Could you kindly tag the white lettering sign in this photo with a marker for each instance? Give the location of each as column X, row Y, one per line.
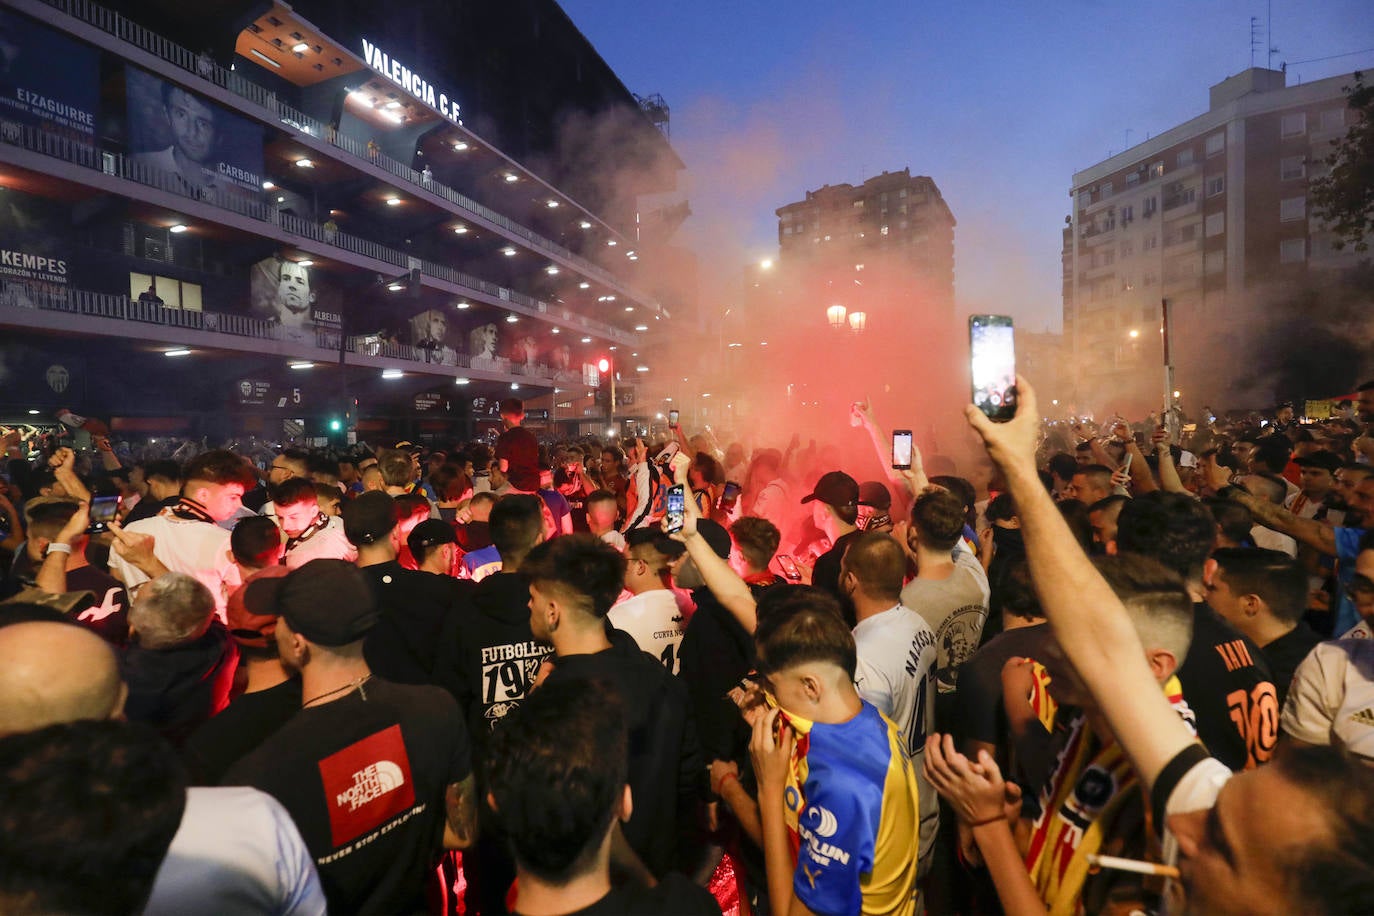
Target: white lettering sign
column 411, row 81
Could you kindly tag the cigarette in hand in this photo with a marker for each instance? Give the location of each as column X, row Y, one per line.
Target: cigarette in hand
column 1132, row 865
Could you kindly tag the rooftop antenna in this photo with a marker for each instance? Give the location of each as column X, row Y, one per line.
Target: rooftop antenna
column 1254, row 38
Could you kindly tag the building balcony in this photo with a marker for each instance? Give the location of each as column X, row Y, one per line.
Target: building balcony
column 1179, row 206
column 100, row 168
column 42, row 307
column 324, row 137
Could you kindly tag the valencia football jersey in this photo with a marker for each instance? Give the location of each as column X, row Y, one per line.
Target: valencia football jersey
column 852, row 816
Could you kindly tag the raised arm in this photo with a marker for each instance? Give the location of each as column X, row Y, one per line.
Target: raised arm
column 881, row 444
column 730, row 590
column 52, row 574
column 1307, row 531
column 1088, row 620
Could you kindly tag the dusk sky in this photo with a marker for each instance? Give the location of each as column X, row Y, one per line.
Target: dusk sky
column 998, row 103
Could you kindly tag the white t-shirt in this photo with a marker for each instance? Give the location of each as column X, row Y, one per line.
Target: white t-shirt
column 329, row 543
column 1331, row 700
column 1273, row 540
column 199, row 549
column 615, row 539
column 956, row 608
column 655, row 621
column 896, row 673
column 237, row 851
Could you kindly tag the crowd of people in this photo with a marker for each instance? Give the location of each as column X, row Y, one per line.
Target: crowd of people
column 1108, row 668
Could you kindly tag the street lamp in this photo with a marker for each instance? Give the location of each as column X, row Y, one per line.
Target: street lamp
column 836, row 315
column 605, row 366
column 857, row 321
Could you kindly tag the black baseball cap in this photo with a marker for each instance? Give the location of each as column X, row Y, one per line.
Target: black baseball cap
column 875, row 494
column 1326, row 461
column 716, row 536
column 836, row 489
column 327, row 601
column 429, row 533
column 369, row 518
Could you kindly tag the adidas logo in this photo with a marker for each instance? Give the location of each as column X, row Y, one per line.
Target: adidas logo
column 1364, row 716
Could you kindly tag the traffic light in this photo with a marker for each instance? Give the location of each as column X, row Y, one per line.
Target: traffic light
column 335, row 425
column 603, row 365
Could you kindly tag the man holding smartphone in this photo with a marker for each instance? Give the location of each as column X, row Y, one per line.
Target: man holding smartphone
column 835, row 511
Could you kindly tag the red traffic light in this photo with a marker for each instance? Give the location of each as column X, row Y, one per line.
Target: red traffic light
column 603, row 364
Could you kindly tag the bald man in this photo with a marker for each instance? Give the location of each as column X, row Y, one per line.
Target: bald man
column 56, row 672
column 53, row 673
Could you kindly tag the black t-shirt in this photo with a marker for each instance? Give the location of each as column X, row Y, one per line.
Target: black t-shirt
column 715, row 654
column 1227, row 684
column 1286, row 653
column 364, row 778
column 109, row 619
column 979, row 712
column 520, row 449
column 666, row 770
column 826, row 573
column 250, row 719
column 674, row 896
column 403, row 647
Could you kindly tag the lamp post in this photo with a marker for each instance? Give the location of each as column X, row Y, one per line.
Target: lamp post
column 836, row 316
column 606, row 365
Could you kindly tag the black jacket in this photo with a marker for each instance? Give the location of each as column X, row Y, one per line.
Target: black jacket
column 175, row 690
column 716, row 653
column 414, row 607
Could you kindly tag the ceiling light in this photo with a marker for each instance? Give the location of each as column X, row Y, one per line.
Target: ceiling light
column 512, row 319
column 584, row 285
column 634, row 257
column 610, row 298
column 461, row 381
column 557, row 330
column 514, row 386
column 304, row 164
column 178, row 228
column 393, row 201
column 461, row 230
column 463, row 304
column 392, row 373
column 585, row 225
column 302, row 364
column 553, row 205
column 508, row 252
column 395, row 287
column 281, row 200
column 394, row 117
column 551, row 270
column 706, row 394
column 735, row 346
column 267, row 186
column 460, row 146
column 306, row 263
column 512, row 177
column 393, row 104
column 641, row 327
column 180, row 351
column 612, row 243
column 33, row 413
column 629, row 308
column 300, row 47
column 641, row 368
column 264, row 58
column 586, row 340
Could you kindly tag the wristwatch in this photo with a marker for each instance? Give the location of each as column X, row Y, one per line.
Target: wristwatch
column 55, row 547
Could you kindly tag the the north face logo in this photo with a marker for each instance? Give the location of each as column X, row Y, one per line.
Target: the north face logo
column 370, row 783
column 367, row 784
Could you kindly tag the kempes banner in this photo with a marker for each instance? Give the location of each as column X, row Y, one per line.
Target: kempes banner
column 180, row 133
column 46, row 78
column 33, row 251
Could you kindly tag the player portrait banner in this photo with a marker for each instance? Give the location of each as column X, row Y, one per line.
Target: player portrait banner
column 47, row 79
column 191, row 138
column 295, row 296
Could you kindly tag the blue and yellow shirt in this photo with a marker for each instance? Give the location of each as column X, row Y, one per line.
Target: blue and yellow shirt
column 852, row 816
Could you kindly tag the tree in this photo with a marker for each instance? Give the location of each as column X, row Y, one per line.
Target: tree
column 1344, row 197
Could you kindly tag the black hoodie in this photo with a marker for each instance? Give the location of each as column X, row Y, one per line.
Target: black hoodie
column 176, row 689
column 488, row 659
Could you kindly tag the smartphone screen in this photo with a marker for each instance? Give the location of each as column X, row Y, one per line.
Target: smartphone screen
column 789, row 567
column 103, row 510
column 677, row 507
column 672, row 417
column 730, row 495
column 901, row 449
column 992, row 365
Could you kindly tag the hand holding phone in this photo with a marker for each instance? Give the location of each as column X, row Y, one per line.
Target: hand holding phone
column 901, row 449
column 729, row 496
column 992, row 365
column 672, row 418
column 675, row 515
